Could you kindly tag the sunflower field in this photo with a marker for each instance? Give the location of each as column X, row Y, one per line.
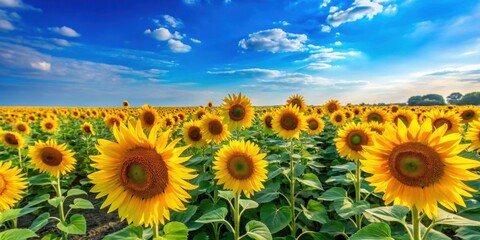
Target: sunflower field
column 236, row 171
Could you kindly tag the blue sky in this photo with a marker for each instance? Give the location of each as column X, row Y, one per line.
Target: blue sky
column 189, row 52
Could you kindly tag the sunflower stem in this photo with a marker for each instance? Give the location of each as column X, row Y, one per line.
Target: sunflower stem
column 415, row 223
column 155, row 230
column 293, row 226
column 60, row 206
column 237, row 216
column 20, row 161
column 358, row 186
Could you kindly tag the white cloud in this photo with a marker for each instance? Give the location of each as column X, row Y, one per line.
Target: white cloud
column 173, row 22
column 422, row 29
column 333, row 9
column 61, row 42
column 228, row 1
column 391, row 9
column 65, row 31
column 7, row 19
column 326, row 28
column 274, row 40
column 161, row 34
column 6, row 25
column 471, row 69
column 319, row 66
column 358, row 10
column 338, row 43
column 191, row 2
column 325, row 3
column 42, row 66
column 195, row 40
column 16, row 4
column 178, row 35
column 283, row 23
column 178, row 46
column 321, row 57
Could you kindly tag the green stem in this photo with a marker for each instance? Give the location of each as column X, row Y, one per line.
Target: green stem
column 20, row 161
column 236, row 215
column 60, row 206
column 425, row 235
column 155, row 230
column 415, row 223
column 358, row 186
column 293, row 226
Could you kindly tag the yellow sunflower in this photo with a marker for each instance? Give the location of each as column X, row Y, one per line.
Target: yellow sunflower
column 22, row 127
column 52, row 158
column 288, row 122
column 213, row 129
column 125, row 104
column 199, row 114
column 375, row 115
column 193, row 135
column 450, row 118
column 267, row 120
column 473, row 134
column 351, row 140
column 240, row 167
column 142, row 176
column 469, row 114
column 237, row 111
column 112, row 120
column 87, row 128
column 315, row 124
column 12, row 139
column 148, row 116
column 298, row 101
column 331, row 106
column 338, row 118
column 12, row 185
column 49, row 125
column 405, row 116
column 210, row 104
column 394, row 108
column 419, row 166
column 376, row 127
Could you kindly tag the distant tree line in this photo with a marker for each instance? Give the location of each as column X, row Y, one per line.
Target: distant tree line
column 455, row 98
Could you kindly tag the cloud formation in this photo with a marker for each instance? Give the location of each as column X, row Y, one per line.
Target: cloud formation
column 65, row 31
column 178, row 47
column 274, row 40
column 359, row 9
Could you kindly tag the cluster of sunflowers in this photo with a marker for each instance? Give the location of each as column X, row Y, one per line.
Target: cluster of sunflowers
column 412, row 154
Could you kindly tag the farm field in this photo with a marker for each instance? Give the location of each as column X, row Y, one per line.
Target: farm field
column 238, row 171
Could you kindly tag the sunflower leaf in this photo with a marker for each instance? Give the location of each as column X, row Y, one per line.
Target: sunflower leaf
column 17, row 234
column 258, row 230
column 275, row 218
column 80, row 203
column 373, row 231
column 77, row 225
column 56, row 201
column 447, row 218
column 346, row 208
column 332, row 194
column 333, row 228
column 217, row 215
column 468, row 233
column 315, row 211
column 175, row 231
column 75, row 192
column 311, row 180
column 40, row 222
column 390, row 214
column 227, row 195
column 130, row 232
column 248, row 204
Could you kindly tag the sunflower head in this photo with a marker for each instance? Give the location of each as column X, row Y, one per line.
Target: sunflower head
column 315, row 124
column 125, row 104
column 352, row 138
column 338, row 118
column 403, row 115
column 22, row 127
column 375, row 115
column 199, row 114
column 376, row 127
column 112, row 120
column 52, row 158
column 87, row 128
column 213, row 128
column 331, row 106
column 450, row 119
column 288, row 122
column 148, row 116
column 267, row 120
column 469, row 114
column 237, row 111
column 297, row 101
column 473, row 135
column 241, row 167
column 192, row 134
column 12, row 185
column 49, row 125
column 12, row 139
column 210, row 104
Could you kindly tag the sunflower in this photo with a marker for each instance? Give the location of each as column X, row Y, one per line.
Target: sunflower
column 298, row 101
column 394, row 108
column 11, row 139
column 87, row 128
column 192, row 134
column 112, row 120
column 473, row 134
column 351, row 140
column 267, row 120
column 469, row 114
column 338, row 118
column 315, row 125
column 376, row 127
column 148, row 116
column 125, row 104
column 213, row 129
column 331, row 106
column 419, row 166
column 450, row 118
column 403, row 115
column 22, row 127
column 240, row 167
column 210, row 104
column 52, row 158
column 237, row 111
column 199, row 114
column 349, row 115
column 375, row 115
column 49, row 125
column 142, row 176
column 288, row 122
column 12, row 185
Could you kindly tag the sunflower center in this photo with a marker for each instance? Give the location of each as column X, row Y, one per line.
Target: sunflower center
column 312, row 124
column 236, row 112
column 439, row 122
column 375, row 117
column 332, row 108
column 48, row 125
column 296, row 102
column 215, row 127
column 144, row 173
column 415, row 164
column 194, row 133
column 149, row 118
column 240, row 166
column 468, row 115
column 289, row 121
column 338, row 118
column 21, row 128
column 268, row 121
column 11, row 139
column 87, row 129
column 394, row 109
column 355, row 140
column 51, row 156
column 401, row 118
column 200, row 115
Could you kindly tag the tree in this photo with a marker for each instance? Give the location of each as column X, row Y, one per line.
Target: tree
column 414, row 100
column 453, row 98
column 472, row 98
column 426, row 100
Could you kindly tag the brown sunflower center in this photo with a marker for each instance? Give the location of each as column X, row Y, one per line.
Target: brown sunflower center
column 439, row 122
column 240, row 166
column 468, row 115
column 21, row 128
column 348, row 115
column 312, row 124
column 200, row 115
column 51, row 156
column 144, row 173
column 415, row 164
column 125, row 104
column 332, row 108
column 296, row 102
column 394, row 109
column 194, row 133
column 375, row 117
column 268, row 121
column 236, row 112
column 355, row 140
column 215, row 127
column 48, row 125
column 149, row 118
column 11, row 139
column 401, row 118
column 289, row 121
column 168, row 122
column 87, row 129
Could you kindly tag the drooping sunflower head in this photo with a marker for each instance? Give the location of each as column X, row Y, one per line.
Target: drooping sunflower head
column 237, row 111
column 352, row 137
column 241, row 167
column 297, row 101
column 469, row 114
column 142, row 176
column 267, row 120
column 288, row 122
column 441, row 117
column 375, row 115
column 125, row 104
column 52, row 158
column 12, row 139
column 112, row 120
column 12, row 185
column 22, row 127
column 331, row 106
column 148, row 116
column 403, row 115
column 338, row 118
column 192, row 134
column 49, row 125
column 315, row 124
column 419, row 166
column 87, row 128
column 473, row 135
column 213, row 128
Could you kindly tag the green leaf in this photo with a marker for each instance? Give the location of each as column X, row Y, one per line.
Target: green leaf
column 40, row 179
column 75, row 192
column 333, row 228
column 56, row 201
column 347, row 208
column 468, row 233
column 315, row 211
column 390, row 214
column 227, row 195
column 40, row 222
column 350, row 166
column 320, row 236
column 201, row 236
column 298, row 169
column 217, row 215
column 332, row 194
column 38, row 200
column 184, row 216
column 10, row 214
column 77, row 225
column 131, row 232
column 248, row 204
column 17, row 234
column 80, row 203
column 275, row 218
column 447, row 218
column 268, row 194
column 273, row 174
column 51, row 237
column 311, row 180
column 373, row 231
column 175, row 231
column 258, row 230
